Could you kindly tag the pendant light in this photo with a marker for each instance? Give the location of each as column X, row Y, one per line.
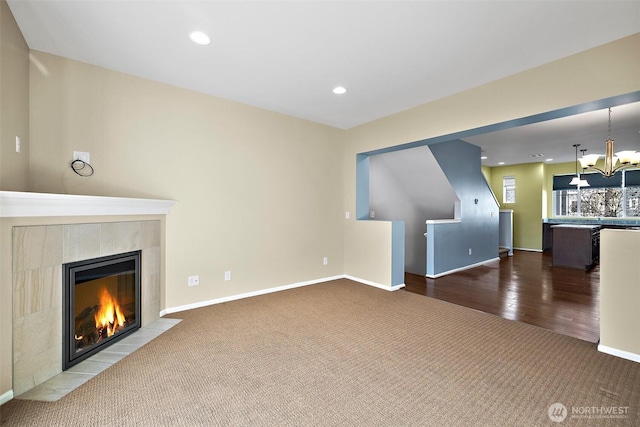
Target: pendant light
column 576, row 179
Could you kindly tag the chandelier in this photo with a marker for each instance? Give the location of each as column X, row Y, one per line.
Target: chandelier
column 626, row 158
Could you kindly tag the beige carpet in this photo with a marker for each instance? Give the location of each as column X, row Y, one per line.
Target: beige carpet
column 342, row 353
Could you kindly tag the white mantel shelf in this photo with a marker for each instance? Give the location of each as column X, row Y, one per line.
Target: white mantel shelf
column 24, row 204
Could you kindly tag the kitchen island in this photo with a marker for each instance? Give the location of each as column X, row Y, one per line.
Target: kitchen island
column 575, row 245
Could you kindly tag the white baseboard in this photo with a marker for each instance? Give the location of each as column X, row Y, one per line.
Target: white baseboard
column 270, row 290
column 466, row 267
column 619, row 353
column 374, row 284
column 528, row 249
column 5, row 397
column 245, row 295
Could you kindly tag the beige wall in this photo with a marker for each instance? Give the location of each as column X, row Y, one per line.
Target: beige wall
column 256, row 190
column 366, row 241
column 620, row 293
column 14, row 104
column 14, row 167
column 567, row 82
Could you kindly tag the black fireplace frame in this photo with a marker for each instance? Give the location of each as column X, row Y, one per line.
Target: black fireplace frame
column 69, row 271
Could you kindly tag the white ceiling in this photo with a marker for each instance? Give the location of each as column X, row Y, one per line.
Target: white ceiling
column 287, row 56
column 554, row 139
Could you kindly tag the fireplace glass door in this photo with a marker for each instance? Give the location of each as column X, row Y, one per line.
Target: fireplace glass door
column 101, row 304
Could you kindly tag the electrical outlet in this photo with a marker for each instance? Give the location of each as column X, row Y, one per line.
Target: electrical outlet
column 325, row 261
column 194, row 280
column 227, row 275
column 469, row 251
column 372, row 214
column 17, row 144
column 347, row 215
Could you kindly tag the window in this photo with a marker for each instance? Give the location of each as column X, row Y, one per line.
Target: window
column 565, row 202
column 618, row 196
column 601, row 202
column 632, row 192
column 633, row 201
column 509, row 189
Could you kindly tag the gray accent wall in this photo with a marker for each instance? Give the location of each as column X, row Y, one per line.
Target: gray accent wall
column 409, row 185
column 475, row 239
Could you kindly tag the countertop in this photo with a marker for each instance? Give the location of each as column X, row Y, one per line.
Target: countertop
column 591, row 227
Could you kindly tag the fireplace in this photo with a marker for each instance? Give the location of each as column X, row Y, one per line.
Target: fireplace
column 39, row 253
column 101, row 304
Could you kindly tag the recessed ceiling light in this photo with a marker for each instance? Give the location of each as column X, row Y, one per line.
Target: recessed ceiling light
column 198, row 37
column 549, row 160
column 483, row 158
column 339, row 90
column 501, row 163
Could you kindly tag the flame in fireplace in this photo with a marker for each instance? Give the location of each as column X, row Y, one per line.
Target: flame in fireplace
column 109, row 317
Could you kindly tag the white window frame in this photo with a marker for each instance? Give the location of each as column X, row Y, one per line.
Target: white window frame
column 508, row 187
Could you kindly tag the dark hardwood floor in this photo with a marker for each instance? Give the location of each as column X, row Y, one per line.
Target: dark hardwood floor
column 526, row 288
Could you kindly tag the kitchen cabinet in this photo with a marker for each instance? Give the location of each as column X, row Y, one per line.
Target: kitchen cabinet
column 575, row 246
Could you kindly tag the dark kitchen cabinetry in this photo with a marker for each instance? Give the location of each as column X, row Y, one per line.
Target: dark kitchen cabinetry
column 547, row 237
column 575, row 246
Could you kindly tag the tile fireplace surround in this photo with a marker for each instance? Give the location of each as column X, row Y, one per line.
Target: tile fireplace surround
column 70, row 229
